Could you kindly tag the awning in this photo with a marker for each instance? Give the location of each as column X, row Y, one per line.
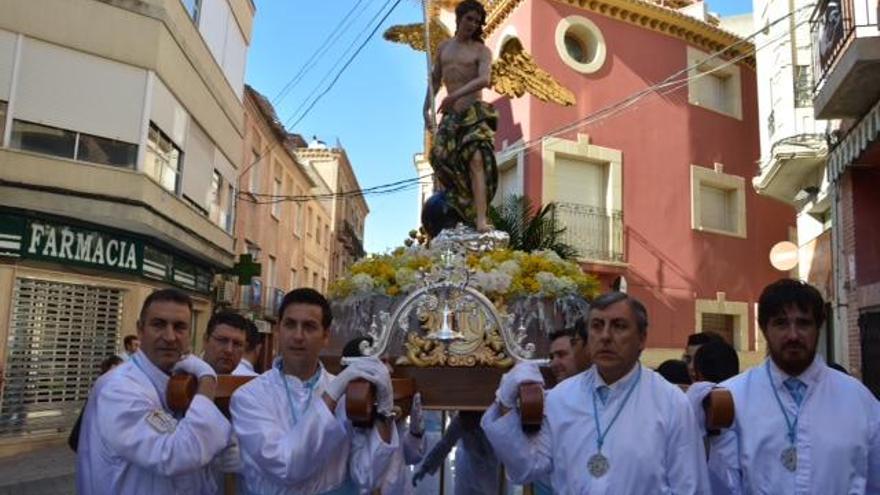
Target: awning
column 856, row 142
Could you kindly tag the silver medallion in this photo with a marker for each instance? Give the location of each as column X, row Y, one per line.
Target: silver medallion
column 598, row 465
column 789, row 458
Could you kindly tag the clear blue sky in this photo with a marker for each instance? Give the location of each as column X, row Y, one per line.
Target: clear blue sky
column 375, row 107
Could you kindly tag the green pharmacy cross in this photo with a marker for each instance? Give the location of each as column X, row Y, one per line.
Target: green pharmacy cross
column 246, row 269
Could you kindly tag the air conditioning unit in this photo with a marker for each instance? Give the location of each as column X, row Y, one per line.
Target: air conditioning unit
column 226, row 292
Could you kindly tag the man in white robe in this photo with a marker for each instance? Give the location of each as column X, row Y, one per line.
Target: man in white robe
column 130, row 442
column 291, row 425
column 252, row 352
column 800, row 427
column 617, row 428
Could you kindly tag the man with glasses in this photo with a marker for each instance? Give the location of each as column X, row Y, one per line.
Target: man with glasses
column 225, row 340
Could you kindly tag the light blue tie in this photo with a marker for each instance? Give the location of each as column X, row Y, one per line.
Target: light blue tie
column 797, row 389
column 603, row 392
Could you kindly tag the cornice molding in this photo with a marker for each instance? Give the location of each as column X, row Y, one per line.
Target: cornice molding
column 646, row 15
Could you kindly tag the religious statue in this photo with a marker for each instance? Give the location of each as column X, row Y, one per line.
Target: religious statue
column 462, row 153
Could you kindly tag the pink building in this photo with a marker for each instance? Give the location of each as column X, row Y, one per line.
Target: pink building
column 658, row 193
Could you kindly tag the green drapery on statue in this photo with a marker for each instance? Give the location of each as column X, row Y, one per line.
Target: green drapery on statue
column 458, row 137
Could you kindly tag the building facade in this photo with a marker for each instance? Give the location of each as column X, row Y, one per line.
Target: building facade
column 348, row 210
column 117, row 165
column 653, row 191
column 794, row 146
column 280, row 223
column 846, row 86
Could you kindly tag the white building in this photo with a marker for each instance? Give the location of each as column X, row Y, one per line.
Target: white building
column 121, row 128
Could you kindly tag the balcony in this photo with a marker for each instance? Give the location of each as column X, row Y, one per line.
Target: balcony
column 595, row 232
column 795, row 162
column 846, row 57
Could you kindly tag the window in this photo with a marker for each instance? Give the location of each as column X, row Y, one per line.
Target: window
column 575, row 48
column 162, row 160
column 718, row 202
column 270, row 273
column 254, row 251
column 230, row 208
column 327, row 236
column 714, row 85
column 730, row 319
column 70, row 144
column 106, row 151
column 193, row 7
column 309, row 221
column 803, row 89
column 315, row 281
column 276, row 204
column 292, row 278
column 43, row 139
column 300, row 212
column 718, row 207
column 580, row 44
column 254, row 173
column 3, row 110
column 318, row 231
column 720, row 323
column 216, row 184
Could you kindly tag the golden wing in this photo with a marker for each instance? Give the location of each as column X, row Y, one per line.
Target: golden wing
column 414, row 35
column 515, row 73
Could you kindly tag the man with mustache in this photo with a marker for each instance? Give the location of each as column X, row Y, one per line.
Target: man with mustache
column 800, row 426
column 130, row 442
column 617, row 428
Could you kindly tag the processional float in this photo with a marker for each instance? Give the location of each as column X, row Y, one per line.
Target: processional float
column 453, row 314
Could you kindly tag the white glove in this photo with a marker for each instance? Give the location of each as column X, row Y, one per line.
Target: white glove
column 508, row 391
column 377, row 374
column 361, row 367
column 416, row 421
column 194, row 366
column 229, row 459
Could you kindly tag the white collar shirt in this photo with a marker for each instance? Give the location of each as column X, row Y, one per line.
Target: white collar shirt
column 837, row 435
column 244, row 368
column 309, row 450
column 653, row 448
column 131, row 444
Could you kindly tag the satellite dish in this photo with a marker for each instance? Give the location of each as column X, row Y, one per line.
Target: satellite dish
column 784, row 256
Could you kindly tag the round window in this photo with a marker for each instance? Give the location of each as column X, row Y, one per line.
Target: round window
column 575, row 48
column 580, row 44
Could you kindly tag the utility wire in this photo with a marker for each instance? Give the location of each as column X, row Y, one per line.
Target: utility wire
column 667, row 86
column 331, row 39
column 344, row 67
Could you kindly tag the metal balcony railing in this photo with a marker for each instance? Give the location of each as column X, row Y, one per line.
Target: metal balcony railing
column 832, row 26
column 595, row 232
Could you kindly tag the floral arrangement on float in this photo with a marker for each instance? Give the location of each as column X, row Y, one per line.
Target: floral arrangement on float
column 501, row 274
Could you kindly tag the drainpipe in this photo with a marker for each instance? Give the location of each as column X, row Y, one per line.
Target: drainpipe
column 841, row 327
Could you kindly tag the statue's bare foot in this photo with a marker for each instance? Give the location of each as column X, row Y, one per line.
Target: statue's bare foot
column 485, row 227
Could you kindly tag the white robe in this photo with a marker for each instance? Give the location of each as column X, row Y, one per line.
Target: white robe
column 319, row 453
column 130, row 444
column 653, row 448
column 398, row 478
column 838, row 435
column 244, row 368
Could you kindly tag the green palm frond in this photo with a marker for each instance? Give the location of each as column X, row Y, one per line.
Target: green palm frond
column 531, row 228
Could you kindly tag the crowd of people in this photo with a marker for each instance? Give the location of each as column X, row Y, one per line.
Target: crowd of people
column 610, row 424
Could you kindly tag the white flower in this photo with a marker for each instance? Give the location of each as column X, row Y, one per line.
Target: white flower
column 362, row 283
column 495, row 281
column 406, row 279
column 509, row 267
column 551, row 285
